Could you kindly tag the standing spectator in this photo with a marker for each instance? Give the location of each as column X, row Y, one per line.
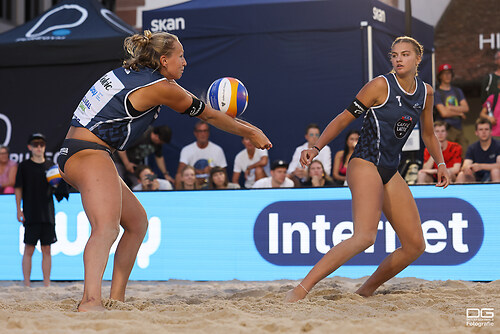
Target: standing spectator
column 37, row 212
column 489, row 85
column 250, row 161
column 482, row 160
column 201, row 154
column 295, row 171
column 316, row 176
column 218, row 180
column 491, row 111
column 278, row 178
column 452, row 154
column 150, row 142
column 188, row 179
column 149, row 181
column 342, row 157
column 8, row 170
column 451, row 105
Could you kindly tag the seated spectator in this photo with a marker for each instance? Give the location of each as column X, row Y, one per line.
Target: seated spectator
column 278, row 178
column 342, row 157
column 295, row 171
column 482, row 160
column 8, row 170
column 317, row 176
column 188, row 179
column 251, row 162
column 491, row 111
column 451, row 105
column 202, row 154
column 452, row 154
column 148, row 180
column 150, row 142
column 218, row 180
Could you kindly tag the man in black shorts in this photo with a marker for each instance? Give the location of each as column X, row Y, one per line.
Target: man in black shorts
column 37, row 213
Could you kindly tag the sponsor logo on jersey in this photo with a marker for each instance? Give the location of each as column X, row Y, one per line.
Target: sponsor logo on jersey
column 402, row 126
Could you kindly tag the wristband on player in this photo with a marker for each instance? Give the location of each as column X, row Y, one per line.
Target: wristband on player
column 316, row 147
column 441, row 163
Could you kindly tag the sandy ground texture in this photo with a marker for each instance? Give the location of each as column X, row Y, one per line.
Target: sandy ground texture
column 402, row 305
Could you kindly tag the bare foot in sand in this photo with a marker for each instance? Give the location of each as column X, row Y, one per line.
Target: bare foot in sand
column 363, row 292
column 295, row 294
column 91, row 306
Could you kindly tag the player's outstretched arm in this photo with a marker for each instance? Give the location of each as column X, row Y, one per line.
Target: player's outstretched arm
column 237, row 127
column 373, row 93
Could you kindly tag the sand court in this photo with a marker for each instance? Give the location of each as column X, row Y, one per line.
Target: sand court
column 402, row 305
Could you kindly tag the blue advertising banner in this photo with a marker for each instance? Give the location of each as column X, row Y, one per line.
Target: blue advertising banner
column 272, row 234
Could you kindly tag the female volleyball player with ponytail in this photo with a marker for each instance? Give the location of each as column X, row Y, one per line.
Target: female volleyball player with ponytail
column 115, row 111
column 393, row 103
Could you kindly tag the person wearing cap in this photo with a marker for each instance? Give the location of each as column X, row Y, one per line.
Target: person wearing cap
column 451, row 105
column 278, row 178
column 37, row 210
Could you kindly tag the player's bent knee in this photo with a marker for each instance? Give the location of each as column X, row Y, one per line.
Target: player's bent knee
column 364, row 240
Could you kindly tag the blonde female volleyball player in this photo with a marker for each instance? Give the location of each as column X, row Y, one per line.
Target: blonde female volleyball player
column 393, row 104
column 115, row 111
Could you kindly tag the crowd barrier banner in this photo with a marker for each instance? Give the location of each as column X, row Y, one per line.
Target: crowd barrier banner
column 271, row 234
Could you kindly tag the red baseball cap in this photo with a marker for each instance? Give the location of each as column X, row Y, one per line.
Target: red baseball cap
column 444, row 67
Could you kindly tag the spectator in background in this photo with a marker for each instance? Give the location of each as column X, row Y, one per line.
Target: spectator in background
column 451, row 105
column 317, row 177
column 150, row 142
column 201, row 154
column 188, row 179
column 342, row 157
column 148, row 180
column 250, row 161
column 278, row 178
column 452, row 154
column 218, row 180
column 482, row 160
column 491, row 111
column 295, row 171
column 489, row 85
column 8, row 170
column 37, row 211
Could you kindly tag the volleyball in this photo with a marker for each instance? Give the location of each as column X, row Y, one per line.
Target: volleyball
column 53, row 176
column 228, row 95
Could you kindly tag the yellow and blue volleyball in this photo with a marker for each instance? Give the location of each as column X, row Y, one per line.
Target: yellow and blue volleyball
column 53, row 176
column 228, row 95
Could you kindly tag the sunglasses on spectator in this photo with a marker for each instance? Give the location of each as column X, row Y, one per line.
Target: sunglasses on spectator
column 38, row 144
column 314, row 135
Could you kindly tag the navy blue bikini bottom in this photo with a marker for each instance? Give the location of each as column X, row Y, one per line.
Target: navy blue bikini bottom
column 72, row 146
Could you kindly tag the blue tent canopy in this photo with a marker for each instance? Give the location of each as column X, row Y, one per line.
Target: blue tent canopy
column 48, row 64
column 72, row 32
column 302, row 61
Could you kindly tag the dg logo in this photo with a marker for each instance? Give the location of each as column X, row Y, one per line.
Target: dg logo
column 402, row 126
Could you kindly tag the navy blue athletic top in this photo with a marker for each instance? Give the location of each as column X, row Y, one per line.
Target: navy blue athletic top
column 105, row 112
column 386, row 127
